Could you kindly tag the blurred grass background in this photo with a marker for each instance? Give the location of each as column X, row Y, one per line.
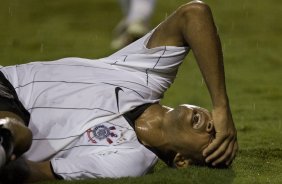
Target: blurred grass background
column 33, row 30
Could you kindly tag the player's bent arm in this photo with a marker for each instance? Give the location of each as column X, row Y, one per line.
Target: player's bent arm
column 192, row 25
column 201, row 35
column 199, row 31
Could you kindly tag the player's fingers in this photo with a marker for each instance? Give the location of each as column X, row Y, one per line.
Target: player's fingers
column 218, row 152
column 214, row 145
column 225, row 156
column 235, row 149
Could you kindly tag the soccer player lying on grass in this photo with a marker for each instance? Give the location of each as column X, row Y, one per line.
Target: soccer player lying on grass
column 78, row 118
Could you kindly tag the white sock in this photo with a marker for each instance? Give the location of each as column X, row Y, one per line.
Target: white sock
column 140, row 11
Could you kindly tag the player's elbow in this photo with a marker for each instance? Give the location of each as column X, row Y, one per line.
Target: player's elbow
column 193, row 10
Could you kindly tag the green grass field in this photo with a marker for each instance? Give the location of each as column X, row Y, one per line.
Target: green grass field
column 33, row 30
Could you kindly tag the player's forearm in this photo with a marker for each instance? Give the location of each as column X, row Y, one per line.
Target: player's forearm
column 212, row 69
column 210, row 62
column 22, row 136
column 201, row 35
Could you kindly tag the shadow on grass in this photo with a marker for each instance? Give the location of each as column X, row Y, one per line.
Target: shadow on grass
column 192, row 175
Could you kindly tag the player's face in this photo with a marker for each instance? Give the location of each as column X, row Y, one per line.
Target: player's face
column 190, row 130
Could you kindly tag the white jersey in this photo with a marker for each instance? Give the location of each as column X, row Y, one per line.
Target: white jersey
column 72, row 98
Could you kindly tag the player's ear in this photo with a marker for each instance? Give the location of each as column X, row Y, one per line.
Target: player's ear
column 181, row 161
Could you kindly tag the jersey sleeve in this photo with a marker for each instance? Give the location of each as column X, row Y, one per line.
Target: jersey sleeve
column 111, row 164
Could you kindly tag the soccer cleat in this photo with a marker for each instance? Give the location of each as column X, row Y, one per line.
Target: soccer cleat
column 121, row 41
column 126, row 34
column 137, row 29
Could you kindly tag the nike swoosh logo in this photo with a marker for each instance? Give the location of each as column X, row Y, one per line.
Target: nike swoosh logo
column 117, row 89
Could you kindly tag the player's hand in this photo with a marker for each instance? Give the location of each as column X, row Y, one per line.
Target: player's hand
column 223, row 148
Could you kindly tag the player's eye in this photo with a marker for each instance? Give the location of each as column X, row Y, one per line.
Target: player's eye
column 196, row 119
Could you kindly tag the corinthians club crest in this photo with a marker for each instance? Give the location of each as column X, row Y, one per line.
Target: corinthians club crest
column 100, row 133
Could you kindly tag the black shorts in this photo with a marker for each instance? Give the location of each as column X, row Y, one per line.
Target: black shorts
column 9, row 100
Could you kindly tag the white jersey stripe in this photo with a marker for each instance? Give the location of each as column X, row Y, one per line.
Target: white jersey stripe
column 70, row 108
